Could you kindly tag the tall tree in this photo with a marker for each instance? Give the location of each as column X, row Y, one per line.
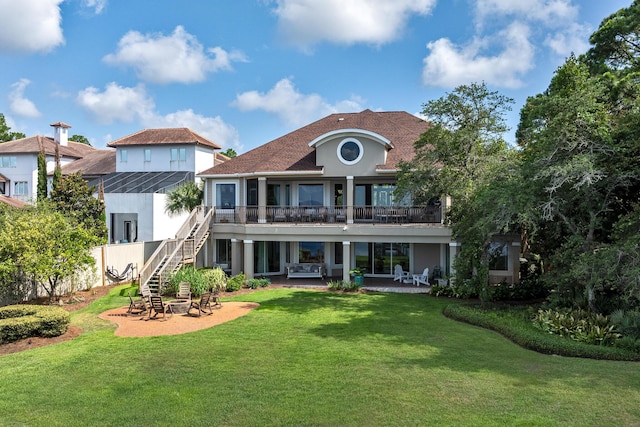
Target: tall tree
column 184, row 198
column 72, row 197
column 574, row 161
column 459, row 156
column 230, row 152
column 43, row 245
column 42, row 176
column 5, row 131
column 79, row 138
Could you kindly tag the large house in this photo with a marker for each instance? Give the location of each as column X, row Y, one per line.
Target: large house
column 148, row 164
column 324, row 195
column 19, row 160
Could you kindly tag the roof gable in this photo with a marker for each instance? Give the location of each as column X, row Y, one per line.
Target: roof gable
column 37, row 143
column 164, row 136
column 295, row 152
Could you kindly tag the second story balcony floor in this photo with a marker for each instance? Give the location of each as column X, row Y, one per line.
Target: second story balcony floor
column 329, row 215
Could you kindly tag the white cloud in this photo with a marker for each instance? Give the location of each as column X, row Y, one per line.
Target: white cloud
column 167, row 59
column 305, row 22
column 292, row 107
column 573, row 39
column 30, row 25
column 449, row 65
column 549, row 12
column 97, row 5
column 20, row 105
column 127, row 104
column 116, row 103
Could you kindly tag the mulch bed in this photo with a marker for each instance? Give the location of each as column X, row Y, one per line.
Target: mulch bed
column 75, row 302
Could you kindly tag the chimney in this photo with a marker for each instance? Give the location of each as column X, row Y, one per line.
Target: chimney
column 61, row 133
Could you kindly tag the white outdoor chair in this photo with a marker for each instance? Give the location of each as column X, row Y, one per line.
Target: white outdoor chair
column 400, row 275
column 421, row 278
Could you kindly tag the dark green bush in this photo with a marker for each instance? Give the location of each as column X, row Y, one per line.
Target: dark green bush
column 515, row 324
column 258, row 283
column 23, row 321
column 235, row 283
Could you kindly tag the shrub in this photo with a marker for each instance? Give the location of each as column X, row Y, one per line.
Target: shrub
column 258, row 283
column 579, row 325
column 343, row 285
column 627, row 323
column 516, row 325
column 23, row 321
column 216, row 278
column 235, row 283
column 196, row 278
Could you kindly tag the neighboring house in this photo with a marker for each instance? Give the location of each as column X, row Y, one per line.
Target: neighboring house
column 19, row 160
column 323, row 194
column 148, row 164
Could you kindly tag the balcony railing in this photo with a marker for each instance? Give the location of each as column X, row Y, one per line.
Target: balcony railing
column 329, row 214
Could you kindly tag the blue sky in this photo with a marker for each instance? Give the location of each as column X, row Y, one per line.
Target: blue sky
column 243, row 72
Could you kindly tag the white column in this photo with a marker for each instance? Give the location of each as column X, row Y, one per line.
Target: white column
column 248, row 259
column 346, row 261
column 349, row 196
column 262, row 200
column 236, row 257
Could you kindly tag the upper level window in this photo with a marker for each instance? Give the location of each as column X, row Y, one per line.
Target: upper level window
column 350, row 151
column 310, row 195
column 8, row 161
column 123, row 156
column 225, row 196
column 179, row 154
column 147, row 154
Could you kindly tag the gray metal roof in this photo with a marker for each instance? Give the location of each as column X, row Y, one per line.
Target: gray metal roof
column 143, row 182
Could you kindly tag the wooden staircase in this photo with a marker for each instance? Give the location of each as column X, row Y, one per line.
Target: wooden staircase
column 173, row 254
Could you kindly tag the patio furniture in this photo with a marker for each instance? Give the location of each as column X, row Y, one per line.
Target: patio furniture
column 401, row 276
column 136, row 306
column 159, row 307
column 215, row 297
column 114, row 276
column 204, row 303
column 421, row 278
column 306, row 271
column 184, row 291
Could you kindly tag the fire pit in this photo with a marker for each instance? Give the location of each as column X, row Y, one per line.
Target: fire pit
column 179, row 306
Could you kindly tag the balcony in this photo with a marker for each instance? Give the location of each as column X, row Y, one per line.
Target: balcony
column 329, row 215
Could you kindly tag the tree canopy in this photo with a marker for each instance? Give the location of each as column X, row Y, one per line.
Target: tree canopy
column 184, row 198
column 72, row 197
column 5, row 131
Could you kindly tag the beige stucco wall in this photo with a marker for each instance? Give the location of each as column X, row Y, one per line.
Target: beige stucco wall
column 327, row 156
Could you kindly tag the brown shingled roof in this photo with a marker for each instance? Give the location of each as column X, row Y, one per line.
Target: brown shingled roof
column 291, row 152
column 98, row 162
column 34, row 144
column 163, row 136
column 12, row 202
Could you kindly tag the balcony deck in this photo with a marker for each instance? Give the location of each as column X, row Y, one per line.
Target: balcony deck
column 329, row 215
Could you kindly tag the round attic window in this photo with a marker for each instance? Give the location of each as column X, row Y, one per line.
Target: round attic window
column 350, row 151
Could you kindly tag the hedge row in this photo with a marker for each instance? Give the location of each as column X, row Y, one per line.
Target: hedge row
column 24, row 321
column 528, row 336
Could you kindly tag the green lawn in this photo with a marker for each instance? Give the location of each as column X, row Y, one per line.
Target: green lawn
column 314, row 359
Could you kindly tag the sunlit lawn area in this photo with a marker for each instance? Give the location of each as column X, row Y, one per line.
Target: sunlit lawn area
column 313, row 358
